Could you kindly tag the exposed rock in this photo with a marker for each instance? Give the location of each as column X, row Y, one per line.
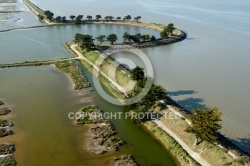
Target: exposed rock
column 1, row 103
column 7, row 161
column 5, row 132
column 5, row 123
column 4, row 111
column 126, row 160
column 102, row 139
column 6, row 149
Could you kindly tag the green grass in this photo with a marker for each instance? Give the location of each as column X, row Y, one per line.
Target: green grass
column 104, row 81
column 85, row 119
column 89, row 109
column 121, row 77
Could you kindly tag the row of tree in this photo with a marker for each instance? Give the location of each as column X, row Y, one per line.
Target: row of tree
column 79, row 19
column 112, row 38
column 137, row 37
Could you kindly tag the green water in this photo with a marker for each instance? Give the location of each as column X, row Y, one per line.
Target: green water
column 41, row 99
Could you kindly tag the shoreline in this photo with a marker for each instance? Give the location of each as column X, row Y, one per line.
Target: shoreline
column 7, row 148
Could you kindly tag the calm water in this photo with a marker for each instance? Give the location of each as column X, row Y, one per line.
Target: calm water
column 42, row 101
column 210, row 68
column 12, row 20
column 43, row 133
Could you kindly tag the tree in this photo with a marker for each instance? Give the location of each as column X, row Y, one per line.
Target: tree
column 145, row 37
column 101, row 38
column 81, row 38
column 205, row 124
column 153, row 38
column 49, row 14
column 89, row 17
column 64, row 19
column 79, row 19
column 118, row 18
column 167, row 31
column 106, row 18
column 72, row 17
column 137, row 73
column 88, row 46
column 125, row 36
column 112, row 38
column 128, row 17
column 137, row 38
column 58, row 19
column 111, row 18
column 98, row 17
column 137, row 18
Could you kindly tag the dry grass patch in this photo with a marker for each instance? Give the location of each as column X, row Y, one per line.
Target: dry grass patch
column 211, row 153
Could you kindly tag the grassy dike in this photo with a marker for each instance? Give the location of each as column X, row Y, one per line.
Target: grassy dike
column 168, row 142
column 90, row 68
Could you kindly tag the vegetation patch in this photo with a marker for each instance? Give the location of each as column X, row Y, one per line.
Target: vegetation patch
column 171, row 144
column 7, row 161
column 74, row 72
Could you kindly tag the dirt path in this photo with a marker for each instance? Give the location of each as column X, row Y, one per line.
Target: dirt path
column 192, row 153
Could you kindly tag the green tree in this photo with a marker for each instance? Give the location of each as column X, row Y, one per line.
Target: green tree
column 111, row 18
column 137, row 73
column 106, row 18
column 88, row 46
column 49, row 14
column 125, row 37
column 89, row 17
column 128, row 17
column 205, row 124
column 78, row 19
column 145, row 37
column 137, row 18
column 118, row 18
column 81, row 38
column 58, row 19
column 167, row 31
column 101, row 38
column 64, row 19
column 153, row 38
column 98, row 17
column 112, row 38
column 72, row 17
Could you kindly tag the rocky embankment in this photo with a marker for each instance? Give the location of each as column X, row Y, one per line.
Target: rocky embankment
column 6, row 149
column 125, row 160
column 101, row 137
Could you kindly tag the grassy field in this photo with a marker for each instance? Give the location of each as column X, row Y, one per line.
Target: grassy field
column 109, row 67
column 104, row 81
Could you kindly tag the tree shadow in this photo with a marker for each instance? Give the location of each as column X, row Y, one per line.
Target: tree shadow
column 242, row 145
column 192, row 103
column 181, row 92
column 190, row 38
